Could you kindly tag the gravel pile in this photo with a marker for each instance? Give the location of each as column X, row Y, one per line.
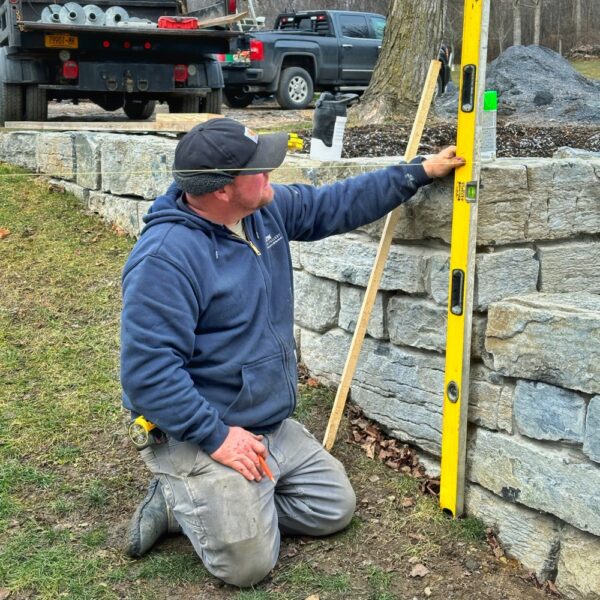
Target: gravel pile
column 536, row 84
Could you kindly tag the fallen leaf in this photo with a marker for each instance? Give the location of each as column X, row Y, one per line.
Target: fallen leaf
column 427, row 591
column 419, row 570
column 413, row 559
column 4, row 232
column 374, row 478
column 4, row 593
column 408, row 502
column 313, row 597
column 311, row 382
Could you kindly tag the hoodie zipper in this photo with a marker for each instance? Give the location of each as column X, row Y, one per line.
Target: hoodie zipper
column 246, row 240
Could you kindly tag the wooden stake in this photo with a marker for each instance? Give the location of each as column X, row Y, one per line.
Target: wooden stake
column 377, row 272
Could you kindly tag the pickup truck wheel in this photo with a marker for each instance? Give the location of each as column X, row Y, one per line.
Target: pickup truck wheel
column 11, row 102
column 36, row 103
column 212, row 103
column 184, row 104
column 295, row 88
column 235, row 98
column 139, row 109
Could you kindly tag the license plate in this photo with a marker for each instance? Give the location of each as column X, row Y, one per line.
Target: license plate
column 61, row 40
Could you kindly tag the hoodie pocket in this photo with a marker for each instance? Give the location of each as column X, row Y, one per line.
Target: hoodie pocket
column 263, row 388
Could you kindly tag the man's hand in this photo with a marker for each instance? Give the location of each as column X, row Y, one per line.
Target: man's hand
column 442, row 163
column 240, row 451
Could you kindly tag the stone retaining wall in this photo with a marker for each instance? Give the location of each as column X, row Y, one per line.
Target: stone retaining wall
column 534, row 440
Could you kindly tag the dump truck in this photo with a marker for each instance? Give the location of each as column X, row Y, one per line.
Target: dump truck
column 128, row 56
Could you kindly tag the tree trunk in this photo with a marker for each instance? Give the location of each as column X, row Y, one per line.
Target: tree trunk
column 577, row 22
column 413, row 35
column 516, row 22
column 537, row 22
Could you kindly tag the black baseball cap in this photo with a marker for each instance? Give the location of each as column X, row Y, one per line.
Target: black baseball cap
column 225, row 148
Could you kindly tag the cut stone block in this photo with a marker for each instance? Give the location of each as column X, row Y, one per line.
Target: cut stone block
column 591, row 442
column 351, row 299
column 553, row 480
column 316, row 302
column 19, row 148
column 56, row 155
column 579, row 565
column 554, row 338
column 87, row 160
column 121, row 211
column 526, row 535
column 570, row 267
column 547, row 412
column 136, row 167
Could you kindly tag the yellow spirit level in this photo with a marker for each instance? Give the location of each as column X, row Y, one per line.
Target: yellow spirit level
column 462, row 256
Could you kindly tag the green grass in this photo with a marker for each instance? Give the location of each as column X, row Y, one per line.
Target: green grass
column 589, row 68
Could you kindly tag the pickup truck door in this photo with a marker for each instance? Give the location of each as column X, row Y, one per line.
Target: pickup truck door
column 360, row 39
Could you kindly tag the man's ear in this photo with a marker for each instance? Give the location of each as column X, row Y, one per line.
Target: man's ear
column 222, row 194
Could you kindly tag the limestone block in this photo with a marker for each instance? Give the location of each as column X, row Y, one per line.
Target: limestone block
column 547, row 412
column 490, row 399
column 351, row 299
column 579, row 565
column 316, row 301
column 504, row 273
column 136, row 165
column 55, row 155
column 119, row 210
column 498, row 275
column 526, row 535
column 554, row 480
column 591, row 442
column 87, row 160
column 72, row 188
column 570, row 267
column 402, row 388
column 503, row 202
column 565, row 197
column 19, row 148
column 349, row 259
column 554, row 338
column 419, row 323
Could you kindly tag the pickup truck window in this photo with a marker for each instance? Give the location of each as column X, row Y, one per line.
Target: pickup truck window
column 378, row 26
column 354, row 26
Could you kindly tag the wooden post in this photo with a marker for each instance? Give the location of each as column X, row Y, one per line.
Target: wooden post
column 377, row 272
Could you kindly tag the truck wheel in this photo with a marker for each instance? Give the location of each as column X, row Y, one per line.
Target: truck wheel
column 295, row 88
column 235, row 98
column 11, row 102
column 184, row 104
column 212, row 103
column 139, row 109
column 36, row 104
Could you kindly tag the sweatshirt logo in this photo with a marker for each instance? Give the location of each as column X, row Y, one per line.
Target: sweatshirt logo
column 271, row 240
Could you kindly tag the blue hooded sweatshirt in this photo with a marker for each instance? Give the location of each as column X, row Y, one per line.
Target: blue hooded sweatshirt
column 207, row 327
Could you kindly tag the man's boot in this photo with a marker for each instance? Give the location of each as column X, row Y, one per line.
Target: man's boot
column 151, row 520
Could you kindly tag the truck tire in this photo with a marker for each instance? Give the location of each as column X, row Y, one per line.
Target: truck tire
column 36, row 103
column 212, row 103
column 295, row 88
column 184, row 104
column 139, row 109
column 11, row 102
column 235, row 98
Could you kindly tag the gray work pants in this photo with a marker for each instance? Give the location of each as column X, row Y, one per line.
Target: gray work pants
column 234, row 524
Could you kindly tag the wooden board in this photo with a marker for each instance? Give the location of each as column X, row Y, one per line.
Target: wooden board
column 181, row 121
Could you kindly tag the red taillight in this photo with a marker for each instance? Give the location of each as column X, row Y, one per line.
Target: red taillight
column 257, row 50
column 232, row 7
column 147, row 45
column 126, row 44
column 70, row 70
column 180, row 73
column 106, row 44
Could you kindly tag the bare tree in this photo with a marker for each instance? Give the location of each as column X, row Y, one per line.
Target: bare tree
column 412, row 38
column 577, row 7
column 537, row 21
column 516, row 22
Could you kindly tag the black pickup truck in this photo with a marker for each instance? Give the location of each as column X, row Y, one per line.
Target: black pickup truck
column 307, row 52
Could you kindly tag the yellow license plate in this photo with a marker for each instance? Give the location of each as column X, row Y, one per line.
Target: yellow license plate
column 61, row 40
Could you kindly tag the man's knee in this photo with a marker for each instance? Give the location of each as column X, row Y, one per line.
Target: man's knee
column 245, row 563
column 341, row 511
